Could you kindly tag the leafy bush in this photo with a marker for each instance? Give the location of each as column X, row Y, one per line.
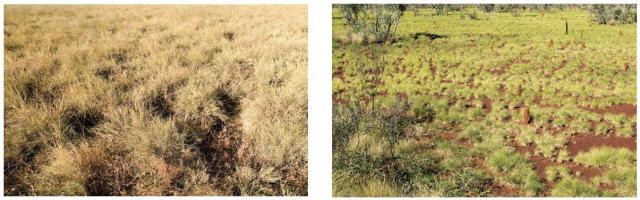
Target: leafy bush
column 380, row 21
column 487, row 7
column 605, row 14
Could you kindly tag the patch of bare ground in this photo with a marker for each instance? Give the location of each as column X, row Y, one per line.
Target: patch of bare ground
column 339, row 73
column 451, row 136
column 499, row 190
column 487, row 105
column 583, row 142
column 541, row 163
column 627, row 109
column 495, row 189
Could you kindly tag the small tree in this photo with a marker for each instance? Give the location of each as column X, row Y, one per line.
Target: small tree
column 441, row 9
column 600, row 14
column 379, row 21
column 487, row 8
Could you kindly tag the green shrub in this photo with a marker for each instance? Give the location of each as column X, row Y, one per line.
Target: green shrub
column 379, row 21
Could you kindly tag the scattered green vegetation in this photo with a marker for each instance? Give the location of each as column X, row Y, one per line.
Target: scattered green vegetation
column 607, row 156
column 457, row 100
column 571, row 187
column 556, row 172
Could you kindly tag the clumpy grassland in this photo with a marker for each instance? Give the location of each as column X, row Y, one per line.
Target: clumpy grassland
column 155, row 100
column 511, row 101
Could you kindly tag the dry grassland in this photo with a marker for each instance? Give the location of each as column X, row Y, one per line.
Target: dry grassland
column 155, row 100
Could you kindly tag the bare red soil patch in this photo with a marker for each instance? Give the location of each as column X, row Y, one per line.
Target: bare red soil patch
column 586, row 172
column 541, row 163
column 503, row 191
column 627, row 109
column 584, row 142
column 451, row 136
column 339, row 73
column 497, row 71
column 524, row 149
column 487, row 105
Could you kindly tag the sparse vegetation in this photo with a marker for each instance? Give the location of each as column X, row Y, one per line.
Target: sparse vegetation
column 155, row 100
column 527, row 100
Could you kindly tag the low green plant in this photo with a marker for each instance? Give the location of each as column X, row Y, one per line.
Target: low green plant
column 626, row 131
column 623, row 180
column 606, row 156
column 526, row 136
column 556, row 172
column 563, row 155
column 504, row 160
column 571, row 187
column 559, row 122
column 525, row 178
column 547, row 143
column 602, row 129
column 473, row 132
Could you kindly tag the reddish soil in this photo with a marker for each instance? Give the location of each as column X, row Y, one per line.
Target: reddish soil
column 584, row 142
column 449, row 136
column 531, row 148
column 503, row 191
column 432, row 67
column 497, row 71
column 487, row 105
column 339, row 73
column 627, row 109
column 454, row 137
column 541, row 163
column 496, row 189
column 339, row 100
column 586, row 172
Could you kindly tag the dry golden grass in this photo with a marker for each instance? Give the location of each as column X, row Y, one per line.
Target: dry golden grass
column 155, row 100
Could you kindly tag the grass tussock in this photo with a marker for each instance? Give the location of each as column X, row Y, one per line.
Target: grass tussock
column 155, row 100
